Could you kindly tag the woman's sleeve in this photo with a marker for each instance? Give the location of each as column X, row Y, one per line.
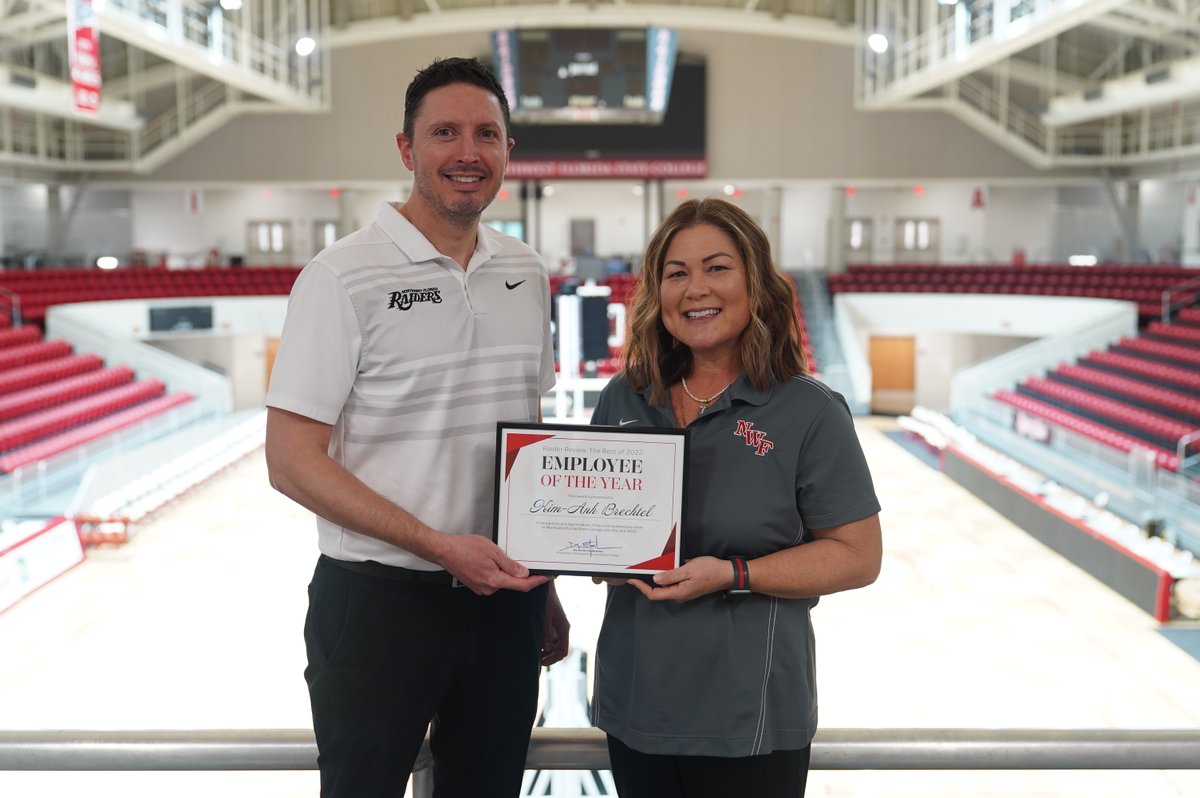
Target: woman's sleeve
column 833, row 481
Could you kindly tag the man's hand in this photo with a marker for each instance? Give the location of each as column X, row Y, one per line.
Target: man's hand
column 556, row 634
column 693, row 579
column 480, row 565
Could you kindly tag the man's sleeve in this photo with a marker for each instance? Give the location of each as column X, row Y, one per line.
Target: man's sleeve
column 318, row 356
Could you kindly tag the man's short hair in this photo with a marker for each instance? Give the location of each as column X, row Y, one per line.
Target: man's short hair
column 447, row 71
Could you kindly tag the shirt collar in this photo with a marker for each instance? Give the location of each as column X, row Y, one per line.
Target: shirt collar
column 413, row 243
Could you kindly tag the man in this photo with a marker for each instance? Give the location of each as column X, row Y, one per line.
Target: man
column 404, row 344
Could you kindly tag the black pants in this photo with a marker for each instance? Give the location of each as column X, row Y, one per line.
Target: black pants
column 387, row 657
column 779, row 774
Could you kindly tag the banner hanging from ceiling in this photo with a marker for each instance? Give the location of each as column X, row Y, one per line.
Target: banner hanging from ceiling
column 83, row 43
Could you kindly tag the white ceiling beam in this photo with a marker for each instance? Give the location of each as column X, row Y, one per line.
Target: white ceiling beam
column 1165, row 20
column 149, row 79
column 1128, row 93
column 1050, row 20
column 1039, row 76
column 679, row 17
column 1142, row 30
column 47, row 33
column 145, row 35
column 18, row 24
column 56, row 98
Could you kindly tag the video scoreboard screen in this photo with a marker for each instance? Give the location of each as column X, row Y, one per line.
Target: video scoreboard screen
column 586, row 75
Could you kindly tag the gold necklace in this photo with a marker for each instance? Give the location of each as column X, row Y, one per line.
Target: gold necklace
column 704, row 403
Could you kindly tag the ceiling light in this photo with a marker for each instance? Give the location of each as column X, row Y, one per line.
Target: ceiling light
column 231, row 5
column 305, row 45
column 877, row 42
column 106, row 262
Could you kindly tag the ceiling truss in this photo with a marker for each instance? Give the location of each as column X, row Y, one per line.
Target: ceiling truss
column 1091, row 84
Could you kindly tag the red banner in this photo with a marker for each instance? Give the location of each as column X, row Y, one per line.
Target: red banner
column 581, row 169
column 84, row 47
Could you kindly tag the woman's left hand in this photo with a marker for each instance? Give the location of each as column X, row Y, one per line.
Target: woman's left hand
column 693, row 579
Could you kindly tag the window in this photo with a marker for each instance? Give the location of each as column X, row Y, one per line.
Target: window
column 513, row 227
column 858, row 235
column 917, row 240
column 324, row 234
column 269, row 242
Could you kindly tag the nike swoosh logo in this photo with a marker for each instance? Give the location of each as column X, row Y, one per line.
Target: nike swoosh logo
column 626, row 422
column 511, row 286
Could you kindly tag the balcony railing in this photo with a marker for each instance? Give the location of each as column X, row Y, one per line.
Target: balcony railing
column 585, row 749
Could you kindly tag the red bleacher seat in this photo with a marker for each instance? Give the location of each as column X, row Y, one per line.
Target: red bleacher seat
column 1179, row 333
column 19, row 335
column 1160, row 373
column 31, row 400
column 1182, row 405
column 1098, row 432
column 18, row 379
column 31, row 427
column 1187, row 355
column 26, row 354
column 1162, row 430
column 84, row 433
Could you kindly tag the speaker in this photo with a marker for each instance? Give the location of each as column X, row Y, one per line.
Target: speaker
column 593, row 324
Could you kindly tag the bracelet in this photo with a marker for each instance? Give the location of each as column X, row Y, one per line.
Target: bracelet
column 741, row 577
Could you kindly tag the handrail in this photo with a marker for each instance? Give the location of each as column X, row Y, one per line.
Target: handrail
column 1168, row 304
column 585, row 749
column 15, row 299
column 1181, row 451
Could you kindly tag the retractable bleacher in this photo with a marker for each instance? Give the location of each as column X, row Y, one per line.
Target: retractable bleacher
column 52, row 399
column 39, row 290
column 1142, row 391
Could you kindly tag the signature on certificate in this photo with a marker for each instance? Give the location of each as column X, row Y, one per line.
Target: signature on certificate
column 590, row 547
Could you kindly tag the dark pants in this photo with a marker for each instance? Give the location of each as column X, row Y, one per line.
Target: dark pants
column 779, row 774
column 386, row 657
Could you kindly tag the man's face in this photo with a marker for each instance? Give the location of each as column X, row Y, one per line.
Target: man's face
column 458, row 152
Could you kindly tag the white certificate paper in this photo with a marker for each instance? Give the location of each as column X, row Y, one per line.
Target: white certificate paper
column 589, row 499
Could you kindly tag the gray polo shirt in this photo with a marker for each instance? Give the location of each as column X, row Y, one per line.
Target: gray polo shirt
column 721, row 676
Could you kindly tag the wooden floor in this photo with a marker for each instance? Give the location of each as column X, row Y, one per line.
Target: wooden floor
column 196, row 623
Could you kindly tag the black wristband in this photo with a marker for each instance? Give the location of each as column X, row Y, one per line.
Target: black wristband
column 741, row 577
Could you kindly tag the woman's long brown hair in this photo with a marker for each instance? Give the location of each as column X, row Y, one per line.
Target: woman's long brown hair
column 771, row 346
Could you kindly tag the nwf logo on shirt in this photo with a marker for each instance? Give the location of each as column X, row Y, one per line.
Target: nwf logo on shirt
column 403, row 300
column 754, row 437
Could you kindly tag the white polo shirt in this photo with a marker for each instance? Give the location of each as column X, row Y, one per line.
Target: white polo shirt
column 413, row 361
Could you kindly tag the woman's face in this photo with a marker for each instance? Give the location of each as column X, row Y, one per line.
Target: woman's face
column 704, row 295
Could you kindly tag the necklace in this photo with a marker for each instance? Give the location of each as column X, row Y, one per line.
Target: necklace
column 704, row 403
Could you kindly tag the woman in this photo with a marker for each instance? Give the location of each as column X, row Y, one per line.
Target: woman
column 705, row 678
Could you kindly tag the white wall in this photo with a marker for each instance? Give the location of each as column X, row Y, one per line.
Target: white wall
column 940, row 355
column 240, row 357
column 101, row 223
column 1047, row 223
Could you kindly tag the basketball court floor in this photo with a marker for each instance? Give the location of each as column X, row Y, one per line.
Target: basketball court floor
column 196, row 624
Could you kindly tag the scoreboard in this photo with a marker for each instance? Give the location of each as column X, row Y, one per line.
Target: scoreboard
column 586, row 75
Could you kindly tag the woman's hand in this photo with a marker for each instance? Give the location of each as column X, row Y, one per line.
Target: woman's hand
column 693, row 579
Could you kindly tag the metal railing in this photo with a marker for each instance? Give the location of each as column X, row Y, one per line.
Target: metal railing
column 1178, row 296
column 585, row 749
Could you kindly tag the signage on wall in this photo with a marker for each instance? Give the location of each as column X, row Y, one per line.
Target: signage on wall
column 83, row 45
column 1031, row 427
column 583, row 168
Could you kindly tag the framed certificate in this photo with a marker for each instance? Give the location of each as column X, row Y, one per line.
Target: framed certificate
column 590, row 500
